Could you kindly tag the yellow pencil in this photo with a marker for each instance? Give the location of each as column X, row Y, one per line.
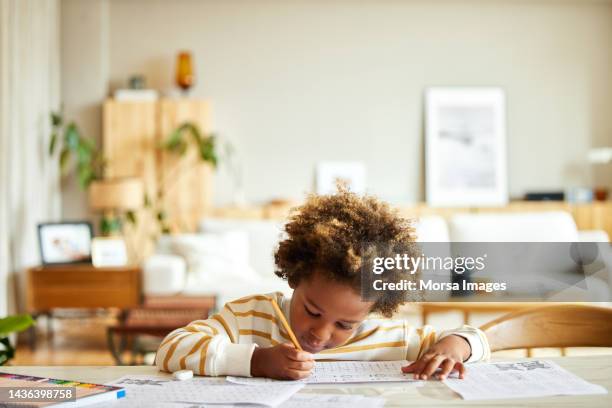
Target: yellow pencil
column 283, row 321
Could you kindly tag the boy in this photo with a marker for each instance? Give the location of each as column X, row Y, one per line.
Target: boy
column 322, row 258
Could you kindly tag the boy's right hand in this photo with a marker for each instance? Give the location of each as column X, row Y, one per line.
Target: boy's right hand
column 281, row 362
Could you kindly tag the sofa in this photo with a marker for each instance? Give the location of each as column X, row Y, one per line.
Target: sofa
column 231, row 258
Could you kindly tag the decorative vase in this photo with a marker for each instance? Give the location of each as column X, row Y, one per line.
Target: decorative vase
column 185, row 77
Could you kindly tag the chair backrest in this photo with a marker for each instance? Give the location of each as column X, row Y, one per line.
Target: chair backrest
column 551, row 326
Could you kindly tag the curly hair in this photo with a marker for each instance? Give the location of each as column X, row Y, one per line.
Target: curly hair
column 340, row 234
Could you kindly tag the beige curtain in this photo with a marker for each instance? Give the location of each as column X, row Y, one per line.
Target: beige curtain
column 29, row 180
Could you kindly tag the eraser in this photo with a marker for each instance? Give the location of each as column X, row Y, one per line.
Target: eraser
column 183, row 374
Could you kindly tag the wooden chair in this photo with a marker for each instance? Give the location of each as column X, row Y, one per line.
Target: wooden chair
column 551, row 326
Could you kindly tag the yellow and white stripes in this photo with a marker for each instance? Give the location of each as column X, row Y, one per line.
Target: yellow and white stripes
column 224, row 343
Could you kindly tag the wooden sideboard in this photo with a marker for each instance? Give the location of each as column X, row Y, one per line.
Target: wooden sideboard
column 81, row 286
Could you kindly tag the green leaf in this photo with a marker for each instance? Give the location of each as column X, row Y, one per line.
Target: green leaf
column 90, row 144
column 110, row 225
column 173, row 141
column 64, row 158
column 52, row 143
column 131, row 217
column 56, row 119
column 72, row 136
column 207, row 151
column 195, row 132
column 84, row 155
column 16, row 323
column 8, row 352
column 85, row 175
column 161, row 215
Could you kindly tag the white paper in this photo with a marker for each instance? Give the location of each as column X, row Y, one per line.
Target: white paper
column 535, row 378
column 202, row 390
column 308, row 400
column 344, row 372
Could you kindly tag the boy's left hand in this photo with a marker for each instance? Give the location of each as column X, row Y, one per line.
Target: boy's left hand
column 447, row 354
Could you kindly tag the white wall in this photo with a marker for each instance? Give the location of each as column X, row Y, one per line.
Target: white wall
column 295, row 82
column 84, row 65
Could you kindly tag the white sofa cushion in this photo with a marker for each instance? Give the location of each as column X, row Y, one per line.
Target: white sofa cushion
column 233, row 289
column 263, row 239
column 218, row 263
column 552, row 226
column 431, row 228
column 219, row 256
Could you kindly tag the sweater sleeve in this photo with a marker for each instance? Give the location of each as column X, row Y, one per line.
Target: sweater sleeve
column 207, row 347
column 384, row 339
column 426, row 337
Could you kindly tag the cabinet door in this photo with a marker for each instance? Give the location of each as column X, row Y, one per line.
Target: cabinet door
column 130, row 141
column 186, row 181
column 130, row 146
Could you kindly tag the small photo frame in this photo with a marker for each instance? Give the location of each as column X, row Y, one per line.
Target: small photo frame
column 465, row 144
column 108, row 252
column 65, row 242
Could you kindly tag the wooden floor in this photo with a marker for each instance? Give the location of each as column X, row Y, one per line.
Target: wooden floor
column 73, row 340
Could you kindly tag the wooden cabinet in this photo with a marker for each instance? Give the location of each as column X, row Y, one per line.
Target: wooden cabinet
column 132, row 136
column 187, row 182
column 82, row 286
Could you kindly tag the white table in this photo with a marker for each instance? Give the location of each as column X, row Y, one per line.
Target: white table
column 595, row 369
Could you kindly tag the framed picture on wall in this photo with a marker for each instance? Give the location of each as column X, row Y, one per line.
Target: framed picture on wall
column 465, row 147
column 65, row 242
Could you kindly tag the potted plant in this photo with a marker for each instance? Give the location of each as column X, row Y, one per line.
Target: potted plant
column 89, row 163
column 8, row 325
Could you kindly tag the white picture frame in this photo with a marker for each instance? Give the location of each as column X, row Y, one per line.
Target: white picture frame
column 108, row 252
column 465, row 147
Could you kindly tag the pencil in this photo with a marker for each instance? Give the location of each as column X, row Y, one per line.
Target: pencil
column 283, row 321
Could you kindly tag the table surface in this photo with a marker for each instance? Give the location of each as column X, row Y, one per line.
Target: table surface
column 595, row 369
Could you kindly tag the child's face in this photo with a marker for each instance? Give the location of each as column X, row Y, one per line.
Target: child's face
column 324, row 313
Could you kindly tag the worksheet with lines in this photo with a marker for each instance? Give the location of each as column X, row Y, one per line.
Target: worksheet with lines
column 338, row 372
column 153, row 390
column 523, row 379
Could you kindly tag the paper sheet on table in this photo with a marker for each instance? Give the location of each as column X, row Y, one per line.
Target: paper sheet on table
column 536, row 378
column 307, row 400
column 202, row 390
column 344, row 372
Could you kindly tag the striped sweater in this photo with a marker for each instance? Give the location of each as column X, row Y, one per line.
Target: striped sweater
column 224, row 344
